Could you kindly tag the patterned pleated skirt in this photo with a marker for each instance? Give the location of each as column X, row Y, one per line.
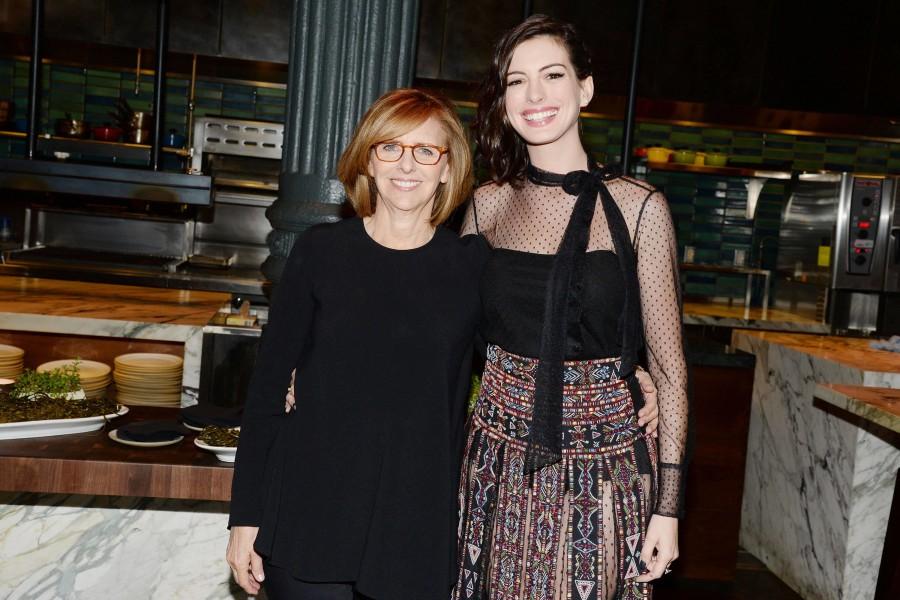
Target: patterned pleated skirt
column 574, row 529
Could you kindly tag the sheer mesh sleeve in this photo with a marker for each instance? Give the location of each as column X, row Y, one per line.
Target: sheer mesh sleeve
column 661, row 311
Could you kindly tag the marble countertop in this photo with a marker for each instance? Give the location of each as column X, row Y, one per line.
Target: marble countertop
column 722, row 315
column 878, row 405
column 850, row 352
column 49, row 297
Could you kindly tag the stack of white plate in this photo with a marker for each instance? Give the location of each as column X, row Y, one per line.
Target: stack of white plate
column 12, row 361
column 95, row 376
column 146, row 379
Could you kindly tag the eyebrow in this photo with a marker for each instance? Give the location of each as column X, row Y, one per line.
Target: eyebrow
column 508, row 73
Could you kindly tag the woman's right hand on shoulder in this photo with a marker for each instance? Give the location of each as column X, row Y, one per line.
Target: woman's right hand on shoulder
column 290, row 402
column 246, row 565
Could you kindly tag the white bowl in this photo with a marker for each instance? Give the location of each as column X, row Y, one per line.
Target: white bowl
column 223, row 453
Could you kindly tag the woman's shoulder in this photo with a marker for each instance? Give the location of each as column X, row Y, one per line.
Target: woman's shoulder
column 492, row 191
column 630, row 190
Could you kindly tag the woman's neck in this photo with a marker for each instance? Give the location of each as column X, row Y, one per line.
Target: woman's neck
column 398, row 230
column 564, row 155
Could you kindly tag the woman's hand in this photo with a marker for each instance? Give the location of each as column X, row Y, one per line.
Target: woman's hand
column 246, row 565
column 660, row 546
column 290, row 402
column 648, row 415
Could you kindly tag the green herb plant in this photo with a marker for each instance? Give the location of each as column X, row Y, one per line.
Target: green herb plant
column 32, row 384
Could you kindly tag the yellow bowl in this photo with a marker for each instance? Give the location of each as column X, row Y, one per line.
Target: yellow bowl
column 658, row 154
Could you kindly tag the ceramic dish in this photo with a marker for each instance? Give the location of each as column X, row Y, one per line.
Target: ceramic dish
column 114, row 436
column 30, row 429
column 192, row 427
column 223, row 453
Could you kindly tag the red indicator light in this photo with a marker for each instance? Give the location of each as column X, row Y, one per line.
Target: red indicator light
column 864, row 224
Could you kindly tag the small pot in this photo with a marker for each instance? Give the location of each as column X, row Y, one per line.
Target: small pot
column 106, row 133
column 139, row 136
column 685, row 157
column 658, row 154
column 72, row 128
column 141, row 120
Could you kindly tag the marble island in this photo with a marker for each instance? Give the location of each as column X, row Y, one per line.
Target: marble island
column 82, row 517
column 818, row 486
column 79, row 315
column 880, row 406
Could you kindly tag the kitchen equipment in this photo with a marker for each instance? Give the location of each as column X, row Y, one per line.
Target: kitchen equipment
column 837, row 259
column 106, row 133
column 685, row 157
column 658, row 154
column 72, row 128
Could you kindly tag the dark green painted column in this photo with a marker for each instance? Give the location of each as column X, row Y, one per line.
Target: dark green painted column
column 344, row 55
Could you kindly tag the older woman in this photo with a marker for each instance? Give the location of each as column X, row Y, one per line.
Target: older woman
column 354, row 491
column 563, row 494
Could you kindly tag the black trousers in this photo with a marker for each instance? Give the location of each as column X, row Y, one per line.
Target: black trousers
column 281, row 585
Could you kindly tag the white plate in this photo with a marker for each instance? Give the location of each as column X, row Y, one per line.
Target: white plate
column 30, row 429
column 192, row 427
column 114, row 436
column 223, row 453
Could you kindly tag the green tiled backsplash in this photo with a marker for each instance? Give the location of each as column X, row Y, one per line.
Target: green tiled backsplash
column 90, row 94
column 708, row 210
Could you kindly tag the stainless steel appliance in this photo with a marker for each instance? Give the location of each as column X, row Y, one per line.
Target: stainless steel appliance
column 838, row 256
column 167, row 241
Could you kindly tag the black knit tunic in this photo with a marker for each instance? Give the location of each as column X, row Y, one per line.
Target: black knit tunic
column 358, row 484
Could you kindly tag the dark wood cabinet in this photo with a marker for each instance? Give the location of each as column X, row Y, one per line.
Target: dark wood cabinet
column 810, row 55
column 256, row 29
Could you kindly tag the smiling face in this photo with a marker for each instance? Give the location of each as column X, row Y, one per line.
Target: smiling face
column 407, row 185
column 543, row 95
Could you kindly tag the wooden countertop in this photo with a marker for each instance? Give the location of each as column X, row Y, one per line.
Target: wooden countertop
column 50, row 297
column 721, row 315
column 93, row 464
column 851, row 352
column 878, row 405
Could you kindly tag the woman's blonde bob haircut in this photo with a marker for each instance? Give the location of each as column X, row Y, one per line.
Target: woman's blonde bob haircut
column 398, row 112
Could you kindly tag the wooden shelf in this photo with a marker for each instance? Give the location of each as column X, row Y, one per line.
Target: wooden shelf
column 743, row 172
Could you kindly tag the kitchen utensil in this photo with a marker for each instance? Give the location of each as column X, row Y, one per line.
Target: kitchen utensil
column 685, row 157
column 71, row 128
column 139, row 136
column 658, row 154
column 107, row 133
column 716, row 159
column 6, row 112
column 174, row 139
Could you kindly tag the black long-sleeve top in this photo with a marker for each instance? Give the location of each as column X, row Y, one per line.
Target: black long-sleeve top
column 359, row 483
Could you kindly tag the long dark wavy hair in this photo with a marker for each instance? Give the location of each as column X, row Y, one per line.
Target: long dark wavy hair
column 498, row 147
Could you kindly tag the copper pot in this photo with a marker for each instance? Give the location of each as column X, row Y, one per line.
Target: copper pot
column 72, row 128
column 139, row 136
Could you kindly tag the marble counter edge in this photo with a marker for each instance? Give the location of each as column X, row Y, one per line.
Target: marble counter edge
column 97, row 327
column 857, row 407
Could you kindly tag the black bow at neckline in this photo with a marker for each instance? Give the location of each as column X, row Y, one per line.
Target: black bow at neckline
column 562, row 303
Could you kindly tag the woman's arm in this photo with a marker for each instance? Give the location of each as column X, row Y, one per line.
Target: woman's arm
column 661, row 311
column 290, row 319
